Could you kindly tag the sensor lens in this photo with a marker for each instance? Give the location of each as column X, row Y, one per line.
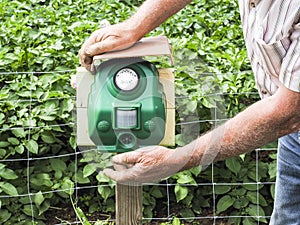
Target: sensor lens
column 127, row 140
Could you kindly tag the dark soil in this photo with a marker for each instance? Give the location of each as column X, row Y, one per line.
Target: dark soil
column 65, row 214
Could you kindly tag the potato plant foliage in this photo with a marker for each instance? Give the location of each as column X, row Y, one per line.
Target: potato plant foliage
column 41, row 38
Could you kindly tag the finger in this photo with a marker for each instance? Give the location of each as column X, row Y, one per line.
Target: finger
column 112, row 174
column 100, row 47
column 85, row 60
column 127, row 158
column 111, row 43
column 120, row 167
column 134, row 156
column 86, row 56
column 120, row 176
column 148, row 148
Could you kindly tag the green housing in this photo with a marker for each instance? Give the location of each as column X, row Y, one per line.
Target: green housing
column 124, row 120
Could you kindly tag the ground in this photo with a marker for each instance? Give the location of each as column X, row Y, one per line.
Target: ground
column 65, row 215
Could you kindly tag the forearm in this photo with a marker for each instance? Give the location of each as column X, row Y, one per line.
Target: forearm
column 152, row 13
column 261, row 123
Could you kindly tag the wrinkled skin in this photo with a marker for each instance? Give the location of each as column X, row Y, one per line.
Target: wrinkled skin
column 148, row 164
column 110, row 38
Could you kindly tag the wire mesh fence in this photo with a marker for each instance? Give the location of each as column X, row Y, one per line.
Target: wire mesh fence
column 37, row 162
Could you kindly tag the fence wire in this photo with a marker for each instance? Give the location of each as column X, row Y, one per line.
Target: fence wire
column 212, row 218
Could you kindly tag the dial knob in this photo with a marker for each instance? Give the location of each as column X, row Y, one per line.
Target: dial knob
column 126, row 79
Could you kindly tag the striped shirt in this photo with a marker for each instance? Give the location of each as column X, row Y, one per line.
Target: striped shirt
column 272, row 34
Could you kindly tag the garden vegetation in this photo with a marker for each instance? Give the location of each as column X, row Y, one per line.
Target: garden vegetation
column 41, row 38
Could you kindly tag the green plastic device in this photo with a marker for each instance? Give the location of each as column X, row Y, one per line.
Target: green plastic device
column 126, row 106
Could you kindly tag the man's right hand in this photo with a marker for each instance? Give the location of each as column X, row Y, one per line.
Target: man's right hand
column 111, row 38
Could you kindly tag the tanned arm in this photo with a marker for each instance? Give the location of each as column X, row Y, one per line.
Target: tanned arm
column 263, row 122
column 259, row 124
column 123, row 35
column 153, row 13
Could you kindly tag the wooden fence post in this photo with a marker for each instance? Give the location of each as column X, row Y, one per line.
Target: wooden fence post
column 129, row 208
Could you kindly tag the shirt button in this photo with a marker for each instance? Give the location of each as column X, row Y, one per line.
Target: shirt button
column 263, row 91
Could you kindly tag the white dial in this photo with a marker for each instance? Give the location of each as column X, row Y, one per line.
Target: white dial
column 126, row 79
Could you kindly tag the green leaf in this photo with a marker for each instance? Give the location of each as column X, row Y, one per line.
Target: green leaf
column 4, row 144
column 41, row 179
column 58, row 165
column 238, row 192
column 208, row 102
column 181, row 192
column 78, row 177
column 44, row 207
column 102, row 178
column 8, row 174
column 13, row 141
column 19, row 132
column 222, row 189
column 48, row 137
column 176, row 221
column 68, row 186
column 240, row 203
column 25, row 200
column 196, row 170
column 198, row 203
column 148, row 211
column 38, row 198
column 192, row 106
column 19, row 149
column 252, row 196
column 249, row 221
column 233, row 164
column 8, row 188
column 47, row 118
column 89, row 169
column 4, row 215
column 224, row 203
column 272, row 190
column 272, row 170
column 58, row 174
column 29, row 210
column 242, row 156
column 82, row 217
column 250, row 187
column 235, row 218
column 257, row 212
column 2, row 117
column 32, row 146
column 67, row 105
column 187, row 213
column 156, row 192
column 104, row 191
column 185, row 178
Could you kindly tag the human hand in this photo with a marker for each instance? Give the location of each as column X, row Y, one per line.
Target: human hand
column 148, row 164
column 110, row 38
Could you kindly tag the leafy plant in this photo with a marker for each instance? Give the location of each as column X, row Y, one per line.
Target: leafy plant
column 40, row 165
